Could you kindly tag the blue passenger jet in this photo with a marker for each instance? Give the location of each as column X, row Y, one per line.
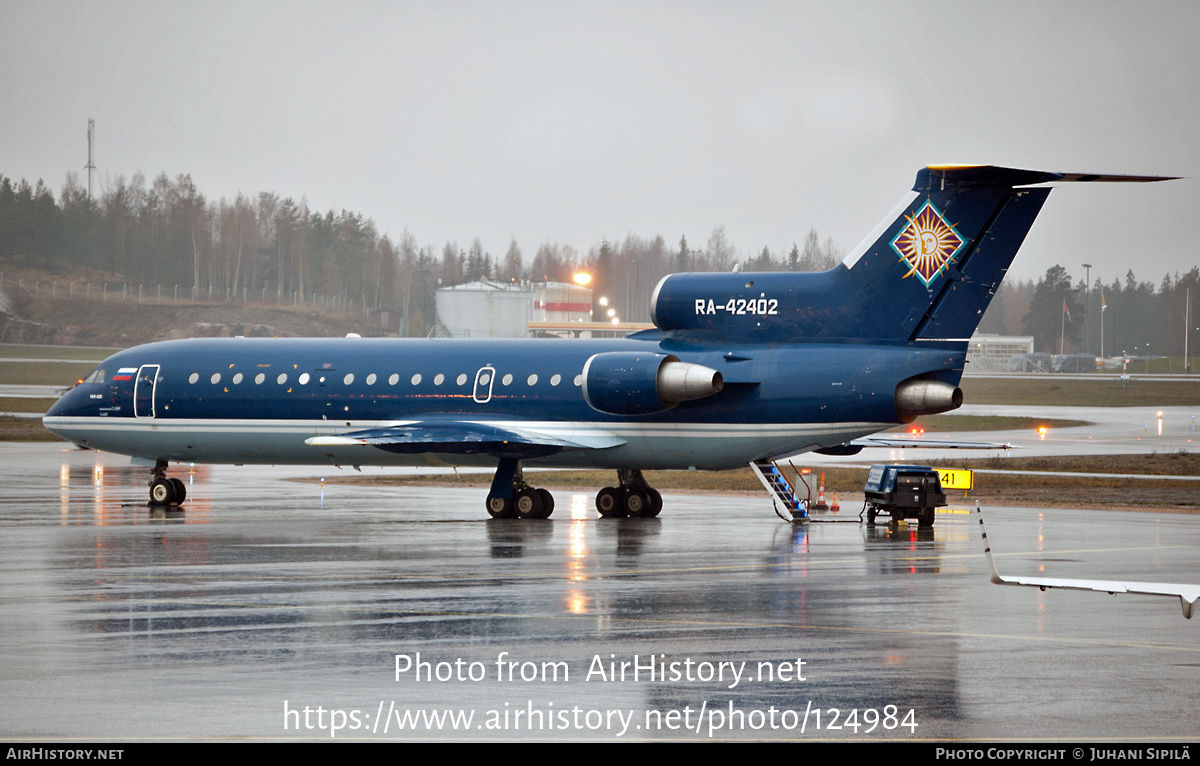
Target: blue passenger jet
column 740, row 368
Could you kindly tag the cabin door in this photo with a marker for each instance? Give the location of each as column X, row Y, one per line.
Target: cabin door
column 144, row 386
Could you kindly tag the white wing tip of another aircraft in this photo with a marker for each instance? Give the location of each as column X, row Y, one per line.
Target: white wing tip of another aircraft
column 1188, row 594
column 923, row 443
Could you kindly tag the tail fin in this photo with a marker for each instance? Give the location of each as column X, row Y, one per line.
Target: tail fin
column 933, row 270
column 942, row 258
column 927, row 272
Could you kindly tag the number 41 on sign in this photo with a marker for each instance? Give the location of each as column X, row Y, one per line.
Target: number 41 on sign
column 956, row 478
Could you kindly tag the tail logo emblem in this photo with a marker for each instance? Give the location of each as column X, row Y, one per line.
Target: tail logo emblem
column 928, row 244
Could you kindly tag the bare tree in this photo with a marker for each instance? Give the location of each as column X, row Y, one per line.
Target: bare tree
column 512, row 269
column 720, row 252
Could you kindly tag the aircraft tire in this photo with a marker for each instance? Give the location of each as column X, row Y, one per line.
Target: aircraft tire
column 637, row 504
column 180, row 491
column 527, row 504
column 162, row 492
column 547, row 503
column 656, row 503
column 608, row 503
column 499, row 507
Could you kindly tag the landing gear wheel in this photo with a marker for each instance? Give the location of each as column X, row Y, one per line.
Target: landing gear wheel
column 547, row 503
column 636, row 504
column 527, row 504
column 180, row 490
column 655, row 502
column 608, row 503
column 162, row 492
column 500, row 507
column 632, row 496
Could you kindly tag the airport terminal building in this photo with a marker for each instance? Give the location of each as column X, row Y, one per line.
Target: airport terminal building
column 989, row 353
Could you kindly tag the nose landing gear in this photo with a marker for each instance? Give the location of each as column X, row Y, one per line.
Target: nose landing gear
column 163, row 490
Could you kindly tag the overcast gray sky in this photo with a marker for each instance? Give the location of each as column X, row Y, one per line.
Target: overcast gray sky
column 577, row 121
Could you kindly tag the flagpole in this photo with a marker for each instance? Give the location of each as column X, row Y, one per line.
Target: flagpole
column 1062, row 332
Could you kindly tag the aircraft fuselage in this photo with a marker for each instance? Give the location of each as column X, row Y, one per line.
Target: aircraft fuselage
column 252, row 400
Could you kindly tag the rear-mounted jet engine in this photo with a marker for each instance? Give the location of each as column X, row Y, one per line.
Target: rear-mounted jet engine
column 640, row 383
column 918, row 396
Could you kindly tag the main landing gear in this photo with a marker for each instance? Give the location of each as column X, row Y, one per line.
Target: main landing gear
column 511, row 498
column 634, row 497
column 165, row 491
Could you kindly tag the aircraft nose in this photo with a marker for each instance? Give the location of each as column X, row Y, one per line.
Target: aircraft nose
column 61, row 406
column 55, row 410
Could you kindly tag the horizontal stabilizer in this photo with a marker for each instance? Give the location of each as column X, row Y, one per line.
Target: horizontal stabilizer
column 1188, row 595
column 1086, row 177
column 994, row 175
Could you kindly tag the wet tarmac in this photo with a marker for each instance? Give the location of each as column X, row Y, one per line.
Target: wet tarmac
column 267, row 597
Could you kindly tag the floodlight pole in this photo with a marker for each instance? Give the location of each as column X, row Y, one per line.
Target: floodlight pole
column 1087, row 308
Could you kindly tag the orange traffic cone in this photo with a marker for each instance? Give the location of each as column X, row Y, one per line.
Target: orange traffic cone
column 835, row 507
column 821, row 506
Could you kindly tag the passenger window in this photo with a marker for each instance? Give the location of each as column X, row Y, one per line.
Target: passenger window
column 462, row 379
column 237, row 378
column 394, row 379
column 371, row 379
column 579, row 380
column 259, row 378
column 437, row 379
column 193, row 377
column 215, row 379
column 532, row 379
column 416, row 379
column 554, row 381
column 506, row 379
column 282, row 378
column 303, row 378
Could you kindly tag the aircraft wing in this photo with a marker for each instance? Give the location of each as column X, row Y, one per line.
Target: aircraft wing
column 460, row 435
column 893, row 442
column 1188, row 594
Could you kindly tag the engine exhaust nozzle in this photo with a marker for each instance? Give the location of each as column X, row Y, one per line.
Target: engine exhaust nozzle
column 926, row 397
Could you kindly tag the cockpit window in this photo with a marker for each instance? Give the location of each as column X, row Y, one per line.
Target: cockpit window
column 97, row 376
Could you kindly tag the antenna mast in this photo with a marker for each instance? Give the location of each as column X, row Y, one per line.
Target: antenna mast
column 91, row 164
